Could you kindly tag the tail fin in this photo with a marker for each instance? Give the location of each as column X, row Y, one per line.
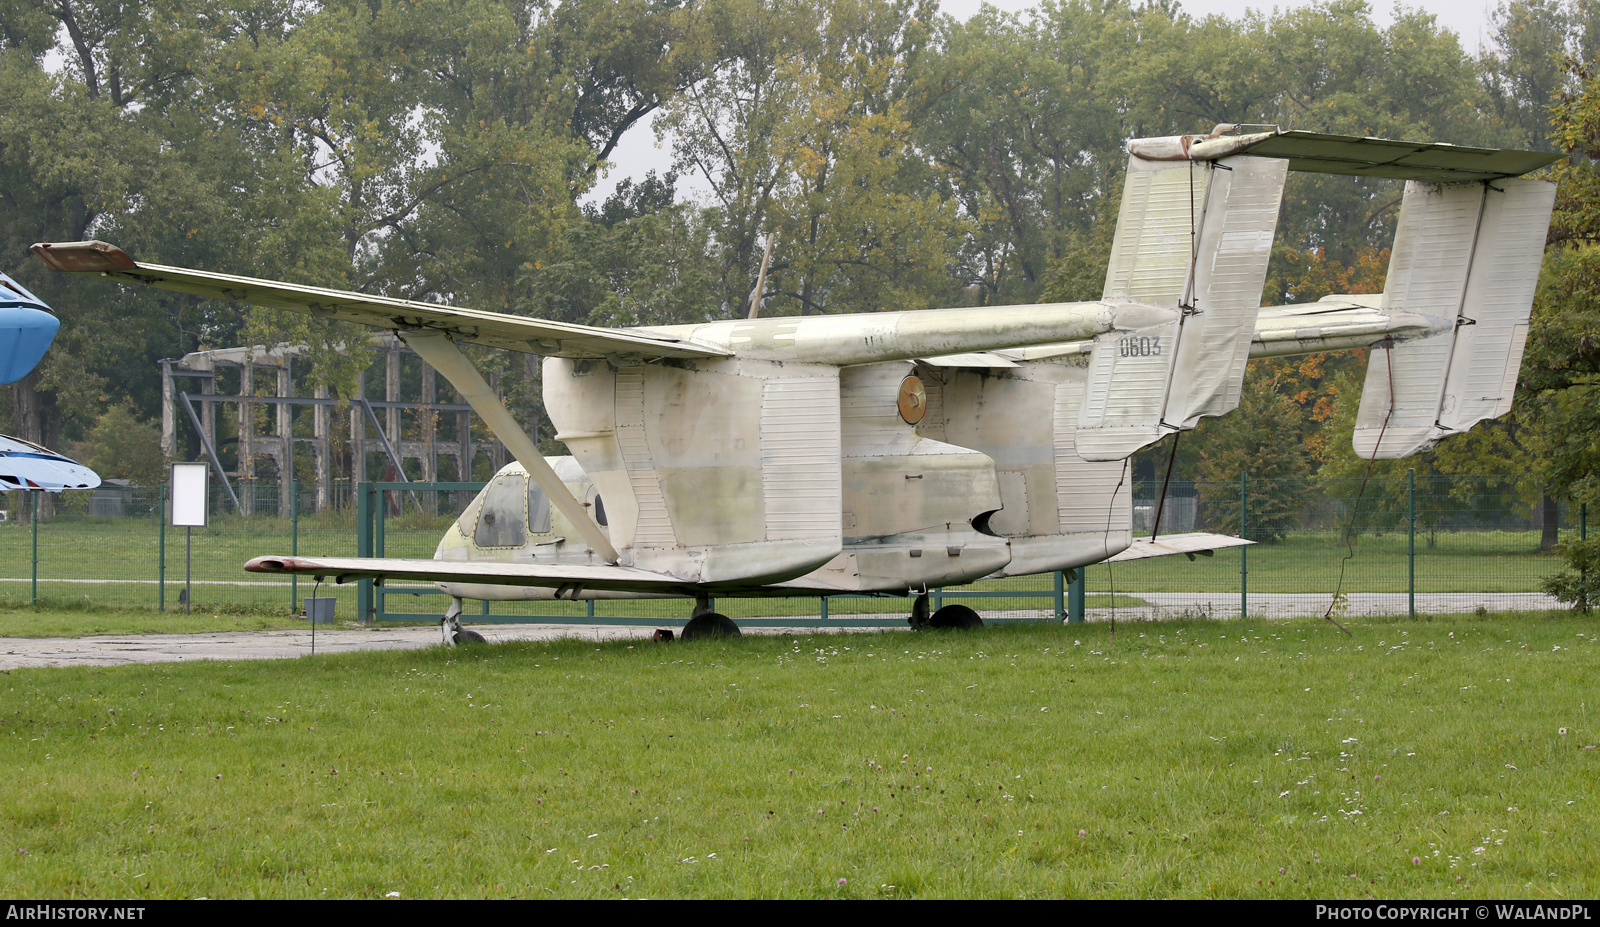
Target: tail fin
column 1195, row 236
column 1467, row 253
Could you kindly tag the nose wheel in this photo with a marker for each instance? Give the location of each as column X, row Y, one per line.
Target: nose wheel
column 454, row 633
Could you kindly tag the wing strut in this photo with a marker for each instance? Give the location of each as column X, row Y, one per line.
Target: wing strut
column 437, row 349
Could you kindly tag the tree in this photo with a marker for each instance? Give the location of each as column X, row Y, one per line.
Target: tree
column 120, row 446
column 1259, row 439
column 805, row 131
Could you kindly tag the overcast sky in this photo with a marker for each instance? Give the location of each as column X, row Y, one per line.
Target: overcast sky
column 638, row 152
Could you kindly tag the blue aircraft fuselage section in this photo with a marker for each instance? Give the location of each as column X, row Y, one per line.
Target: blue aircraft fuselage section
column 27, row 326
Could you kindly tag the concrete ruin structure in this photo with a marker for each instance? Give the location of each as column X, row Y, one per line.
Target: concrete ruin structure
column 189, row 392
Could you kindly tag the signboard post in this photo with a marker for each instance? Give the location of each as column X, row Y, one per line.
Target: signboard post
column 190, row 497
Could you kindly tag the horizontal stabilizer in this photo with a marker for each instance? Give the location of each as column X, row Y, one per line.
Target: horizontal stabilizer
column 1352, row 155
column 1468, row 254
column 1187, row 544
column 548, row 575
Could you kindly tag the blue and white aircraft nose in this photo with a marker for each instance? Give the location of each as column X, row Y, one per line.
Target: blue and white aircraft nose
column 25, row 465
column 27, row 326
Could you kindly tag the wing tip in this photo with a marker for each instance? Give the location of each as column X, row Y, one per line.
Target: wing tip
column 78, row 257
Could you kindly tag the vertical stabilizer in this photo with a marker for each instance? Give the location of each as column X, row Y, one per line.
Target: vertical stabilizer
column 1469, row 255
column 1194, row 236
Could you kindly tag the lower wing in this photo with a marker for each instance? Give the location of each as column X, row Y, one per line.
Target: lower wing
column 1187, row 544
column 563, row 577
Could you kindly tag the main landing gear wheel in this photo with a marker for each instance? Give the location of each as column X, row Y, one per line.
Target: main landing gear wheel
column 955, row 616
column 454, row 633
column 707, row 625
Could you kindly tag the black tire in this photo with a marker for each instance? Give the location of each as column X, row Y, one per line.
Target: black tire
column 955, row 616
column 707, row 626
column 464, row 636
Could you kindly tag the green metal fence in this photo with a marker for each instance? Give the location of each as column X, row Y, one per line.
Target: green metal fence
column 1429, row 545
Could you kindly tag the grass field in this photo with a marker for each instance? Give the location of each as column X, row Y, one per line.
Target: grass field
column 87, row 562
column 1445, row 758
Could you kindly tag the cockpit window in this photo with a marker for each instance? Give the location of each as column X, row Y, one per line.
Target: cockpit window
column 599, row 512
column 502, row 520
column 538, row 510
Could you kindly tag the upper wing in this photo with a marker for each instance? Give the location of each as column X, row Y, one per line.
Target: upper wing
column 493, row 329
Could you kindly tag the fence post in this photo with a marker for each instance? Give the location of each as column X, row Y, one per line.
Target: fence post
column 364, row 506
column 1075, row 598
column 161, row 561
column 294, row 542
column 35, row 585
column 1411, row 541
column 380, row 511
column 1244, row 555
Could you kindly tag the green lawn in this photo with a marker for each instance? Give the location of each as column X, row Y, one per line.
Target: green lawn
column 1463, row 561
column 1452, row 757
column 115, row 563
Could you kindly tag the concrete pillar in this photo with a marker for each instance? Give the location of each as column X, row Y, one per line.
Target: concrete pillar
column 391, row 392
column 321, row 450
column 429, row 430
column 169, row 414
column 358, row 435
column 285, row 433
column 247, row 438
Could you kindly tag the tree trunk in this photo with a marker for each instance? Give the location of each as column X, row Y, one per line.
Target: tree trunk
column 1548, row 537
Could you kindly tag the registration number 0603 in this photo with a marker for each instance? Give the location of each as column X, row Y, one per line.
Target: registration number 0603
column 1139, row 346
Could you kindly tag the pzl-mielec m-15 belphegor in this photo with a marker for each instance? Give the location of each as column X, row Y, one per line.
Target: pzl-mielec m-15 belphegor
column 894, row 451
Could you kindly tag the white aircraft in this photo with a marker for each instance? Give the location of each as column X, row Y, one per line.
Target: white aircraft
column 895, row 451
column 27, row 326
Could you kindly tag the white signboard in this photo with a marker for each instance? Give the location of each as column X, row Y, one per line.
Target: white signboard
column 190, row 485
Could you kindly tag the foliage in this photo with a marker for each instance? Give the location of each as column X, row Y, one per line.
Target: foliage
column 1259, row 439
column 1579, row 582
column 120, row 446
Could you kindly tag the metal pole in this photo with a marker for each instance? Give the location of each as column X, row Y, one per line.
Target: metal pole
column 161, row 568
column 1076, row 600
column 211, row 452
column 1060, row 597
column 1411, row 541
column 35, row 586
column 188, row 586
column 294, row 540
column 380, row 512
column 364, row 496
column 1244, row 556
